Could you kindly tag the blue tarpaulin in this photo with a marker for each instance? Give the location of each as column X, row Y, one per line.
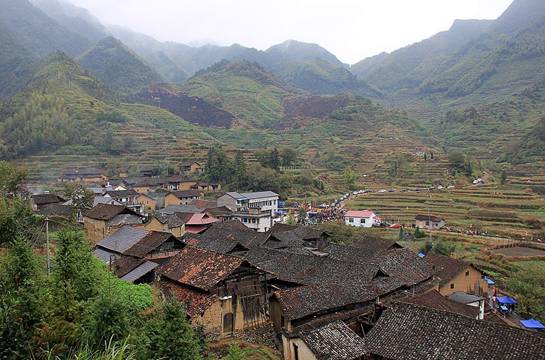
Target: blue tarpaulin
column 489, row 281
column 532, row 324
column 507, row 300
column 421, row 254
column 503, row 308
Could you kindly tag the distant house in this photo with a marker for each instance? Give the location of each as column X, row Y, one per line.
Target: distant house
column 429, row 222
column 133, row 253
column 104, row 219
column 179, row 182
column 197, row 223
column 207, row 186
column 89, row 175
column 128, row 198
column 191, row 167
column 223, row 294
column 255, row 210
column 147, row 172
column 42, row 200
column 182, row 197
column 364, row 218
column 167, row 223
column 457, row 276
column 147, row 202
column 331, row 341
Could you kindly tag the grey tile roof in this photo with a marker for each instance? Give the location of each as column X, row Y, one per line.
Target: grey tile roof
column 173, row 209
column 464, row 298
column 140, row 271
column 123, row 239
column 411, row 332
column 104, row 255
column 125, row 219
column 334, row 341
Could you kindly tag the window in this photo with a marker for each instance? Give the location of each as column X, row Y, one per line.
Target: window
column 351, row 220
column 467, row 273
column 452, row 286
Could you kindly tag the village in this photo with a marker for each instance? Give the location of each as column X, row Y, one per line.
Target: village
column 252, row 266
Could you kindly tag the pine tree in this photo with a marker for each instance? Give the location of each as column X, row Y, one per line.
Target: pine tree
column 21, row 300
column 240, row 170
column 170, row 335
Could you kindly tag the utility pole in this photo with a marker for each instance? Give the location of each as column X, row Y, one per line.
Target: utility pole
column 47, row 245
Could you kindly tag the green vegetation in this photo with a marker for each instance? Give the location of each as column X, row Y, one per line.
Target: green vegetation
column 244, row 89
column 528, row 284
column 117, row 66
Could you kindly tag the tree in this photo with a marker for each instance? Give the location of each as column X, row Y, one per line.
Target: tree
column 80, row 197
column 456, row 162
column 350, row 177
column 42, row 124
column 18, row 220
column 289, row 157
column 74, row 267
column 241, row 172
column 170, row 336
column 10, row 178
column 218, row 167
column 503, row 177
column 528, row 284
column 107, row 319
column 275, row 159
column 21, row 300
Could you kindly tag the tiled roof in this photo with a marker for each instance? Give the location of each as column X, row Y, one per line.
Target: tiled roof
column 428, row 218
column 360, row 214
column 105, row 211
column 125, row 219
column 201, row 219
column 175, row 209
column 121, row 194
column 334, row 341
column 199, row 268
column 304, row 301
column 410, row 332
column 204, row 204
column 140, row 271
column 123, row 239
column 195, row 301
column 56, row 209
column 135, row 242
column 149, row 243
column 173, row 221
column 446, row 268
column 184, row 194
column 43, row 199
column 225, row 237
column 404, row 265
column 433, row 299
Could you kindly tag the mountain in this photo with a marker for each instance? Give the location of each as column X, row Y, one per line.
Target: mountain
column 245, row 89
column 78, row 20
column 193, row 109
column 410, row 66
column 521, row 15
column 152, row 51
column 37, row 32
column 474, row 61
column 306, row 66
column 16, row 64
column 66, row 117
column 118, row 67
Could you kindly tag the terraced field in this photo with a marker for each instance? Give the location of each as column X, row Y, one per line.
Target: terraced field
column 502, row 211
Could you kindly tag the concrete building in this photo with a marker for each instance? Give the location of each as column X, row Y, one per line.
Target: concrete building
column 255, row 210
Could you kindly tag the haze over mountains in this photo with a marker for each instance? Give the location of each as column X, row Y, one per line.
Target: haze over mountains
column 476, row 87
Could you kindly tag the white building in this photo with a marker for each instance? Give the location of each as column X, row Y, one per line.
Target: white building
column 364, row 218
column 255, row 210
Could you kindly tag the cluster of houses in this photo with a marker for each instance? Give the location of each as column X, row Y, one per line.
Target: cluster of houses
column 237, row 271
column 369, row 300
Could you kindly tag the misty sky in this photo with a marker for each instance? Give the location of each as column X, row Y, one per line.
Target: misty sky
column 351, row 29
